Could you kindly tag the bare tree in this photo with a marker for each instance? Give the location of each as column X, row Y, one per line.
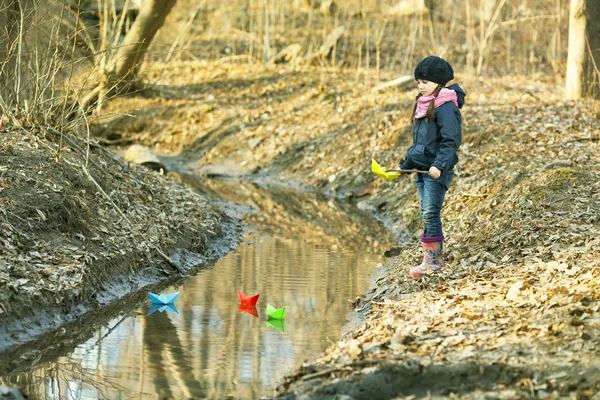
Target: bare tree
column 583, row 62
column 122, row 70
column 9, row 13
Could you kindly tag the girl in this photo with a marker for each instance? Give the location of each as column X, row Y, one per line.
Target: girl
column 436, row 138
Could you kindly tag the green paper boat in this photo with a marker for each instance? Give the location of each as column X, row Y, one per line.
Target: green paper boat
column 273, row 313
column 278, row 324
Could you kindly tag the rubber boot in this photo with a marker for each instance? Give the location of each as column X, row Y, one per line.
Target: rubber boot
column 433, row 259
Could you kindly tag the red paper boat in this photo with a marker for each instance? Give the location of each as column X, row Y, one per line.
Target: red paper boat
column 248, row 310
column 247, row 300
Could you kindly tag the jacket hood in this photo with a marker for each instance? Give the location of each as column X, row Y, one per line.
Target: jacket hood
column 460, row 94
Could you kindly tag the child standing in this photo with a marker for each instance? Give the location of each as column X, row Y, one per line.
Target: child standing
column 436, row 138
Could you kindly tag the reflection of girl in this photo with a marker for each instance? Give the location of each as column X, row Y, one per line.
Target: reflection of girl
column 167, row 357
column 436, row 138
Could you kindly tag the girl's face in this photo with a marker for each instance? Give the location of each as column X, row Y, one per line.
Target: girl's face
column 426, row 87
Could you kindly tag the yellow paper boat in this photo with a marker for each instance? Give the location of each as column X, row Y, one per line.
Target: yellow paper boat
column 381, row 171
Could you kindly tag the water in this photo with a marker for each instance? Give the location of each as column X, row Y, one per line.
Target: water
column 311, row 255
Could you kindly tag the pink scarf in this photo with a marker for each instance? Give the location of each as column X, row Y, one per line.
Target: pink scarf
column 444, row 96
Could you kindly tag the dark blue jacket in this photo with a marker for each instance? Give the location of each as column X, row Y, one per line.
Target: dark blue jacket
column 435, row 142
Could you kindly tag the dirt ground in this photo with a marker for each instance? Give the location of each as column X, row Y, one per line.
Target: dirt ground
column 80, row 228
column 515, row 312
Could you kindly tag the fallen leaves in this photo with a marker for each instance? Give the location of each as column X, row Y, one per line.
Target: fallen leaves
column 60, row 236
column 514, row 290
column 523, row 230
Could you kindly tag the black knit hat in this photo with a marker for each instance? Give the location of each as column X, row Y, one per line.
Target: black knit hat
column 434, row 69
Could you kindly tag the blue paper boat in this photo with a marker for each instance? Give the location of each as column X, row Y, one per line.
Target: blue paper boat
column 159, row 307
column 163, row 298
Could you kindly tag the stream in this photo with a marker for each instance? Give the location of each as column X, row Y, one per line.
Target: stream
column 310, row 254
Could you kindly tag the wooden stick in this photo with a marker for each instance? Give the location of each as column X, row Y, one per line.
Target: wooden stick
column 407, row 171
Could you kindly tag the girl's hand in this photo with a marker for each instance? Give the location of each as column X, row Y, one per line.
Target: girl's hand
column 434, row 172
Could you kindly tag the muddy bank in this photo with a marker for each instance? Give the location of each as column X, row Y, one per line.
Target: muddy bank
column 81, row 229
column 409, row 379
column 77, row 323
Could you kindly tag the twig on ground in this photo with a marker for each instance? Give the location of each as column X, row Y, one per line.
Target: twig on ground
column 585, row 139
column 324, row 373
column 346, row 367
column 91, row 178
column 74, row 145
column 169, row 260
column 560, row 163
column 532, row 95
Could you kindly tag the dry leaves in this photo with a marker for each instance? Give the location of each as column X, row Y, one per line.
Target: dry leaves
column 61, row 238
column 521, row 288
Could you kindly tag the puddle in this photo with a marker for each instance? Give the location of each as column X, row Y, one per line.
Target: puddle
column 311, row 255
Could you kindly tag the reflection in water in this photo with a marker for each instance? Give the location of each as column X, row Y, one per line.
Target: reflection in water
column 276, row 323
column 248, row 310
column 286, row 213
column 309, row 255
column 158, row 307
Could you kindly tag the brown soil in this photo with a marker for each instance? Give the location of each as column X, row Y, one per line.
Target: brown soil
column 514, row 313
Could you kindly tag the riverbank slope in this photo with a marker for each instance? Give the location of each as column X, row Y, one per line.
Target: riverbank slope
column 81, row 229
column 515, row 312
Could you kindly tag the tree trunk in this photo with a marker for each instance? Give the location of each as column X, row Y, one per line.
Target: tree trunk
column 125, row 65
column 593, row 37
column 130, row 54
column 583, row 78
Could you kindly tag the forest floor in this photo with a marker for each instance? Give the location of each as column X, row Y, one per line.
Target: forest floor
column 515, row 313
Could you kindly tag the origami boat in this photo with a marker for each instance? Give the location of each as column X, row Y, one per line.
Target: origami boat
column 383, row 172
column 248, row 300
column 391, row 174
column 248, row 310
column 273, row 313
column 162, row 298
